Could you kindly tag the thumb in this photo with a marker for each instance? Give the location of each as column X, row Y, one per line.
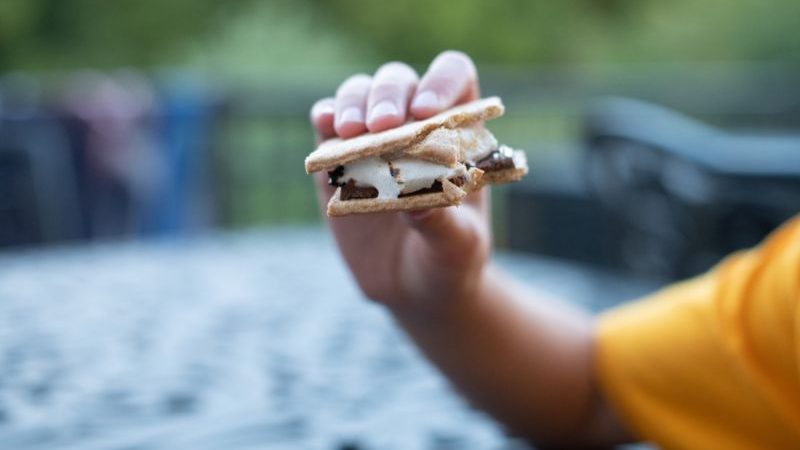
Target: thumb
column 449, row 232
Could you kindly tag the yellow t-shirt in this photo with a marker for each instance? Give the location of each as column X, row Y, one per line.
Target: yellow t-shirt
column 714, row 362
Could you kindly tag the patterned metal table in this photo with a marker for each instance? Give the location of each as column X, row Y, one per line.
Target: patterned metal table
column 228, row 341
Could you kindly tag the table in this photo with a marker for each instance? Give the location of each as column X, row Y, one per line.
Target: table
column 255, row 339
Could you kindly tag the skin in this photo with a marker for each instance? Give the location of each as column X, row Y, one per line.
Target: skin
column 525, row 360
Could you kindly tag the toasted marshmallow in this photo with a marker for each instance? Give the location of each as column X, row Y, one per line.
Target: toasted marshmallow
column 410, row 175
column 453, row 146
column 416, row 174
column 372, row 172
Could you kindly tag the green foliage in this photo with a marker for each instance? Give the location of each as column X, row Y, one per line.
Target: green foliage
column 47, row 34
column 575, row 31
column 262, row 36
column 415, row 30
column 278, row 56
column 703, row 31
column 261, row 171
column 268, row 41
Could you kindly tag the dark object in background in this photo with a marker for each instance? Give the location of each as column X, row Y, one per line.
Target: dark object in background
column 551, row 212
column 38, row 187
column 116, row 156
column 658, row 193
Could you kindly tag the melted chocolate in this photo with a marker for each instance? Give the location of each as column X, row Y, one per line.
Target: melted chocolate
column 436, row 187
column 495, row 161
column 334, row 175
column 352, row 192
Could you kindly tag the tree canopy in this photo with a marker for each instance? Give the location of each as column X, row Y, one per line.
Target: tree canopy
column 54, row 34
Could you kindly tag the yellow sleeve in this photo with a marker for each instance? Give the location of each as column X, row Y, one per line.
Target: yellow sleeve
column 714, row 362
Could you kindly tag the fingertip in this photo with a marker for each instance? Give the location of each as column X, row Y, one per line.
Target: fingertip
column 322, row 107
column 451, row 79
column 321, row 116
column 384, row 123
column 383, row 116
column 349, row 130
column 350, row 103
column 350, row 122
column 425, row 104
column 389, row 96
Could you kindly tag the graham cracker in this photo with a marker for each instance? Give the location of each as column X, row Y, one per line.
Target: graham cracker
column 440, row 146
column 336, row 152
column 508, row 175
column 450, row 195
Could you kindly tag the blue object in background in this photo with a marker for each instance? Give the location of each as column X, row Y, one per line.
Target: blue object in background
column 185, row 134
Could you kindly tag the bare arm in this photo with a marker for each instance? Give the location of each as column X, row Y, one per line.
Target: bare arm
column 526, row 361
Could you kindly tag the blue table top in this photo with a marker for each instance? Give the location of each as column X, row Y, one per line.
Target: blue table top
column 244, row 340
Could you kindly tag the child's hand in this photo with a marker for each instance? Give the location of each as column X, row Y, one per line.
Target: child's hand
column 527, row 362
column 412, row 262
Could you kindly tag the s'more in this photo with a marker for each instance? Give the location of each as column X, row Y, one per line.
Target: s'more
column 422, row 164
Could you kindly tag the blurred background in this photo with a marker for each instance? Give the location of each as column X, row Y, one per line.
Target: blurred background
column 170, row 136
column 133, row 119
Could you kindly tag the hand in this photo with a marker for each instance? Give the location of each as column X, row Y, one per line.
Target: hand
column 418, row 261
column 525, row 361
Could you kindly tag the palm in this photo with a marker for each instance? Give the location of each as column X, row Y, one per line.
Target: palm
column 372, row 245
column 392, row 261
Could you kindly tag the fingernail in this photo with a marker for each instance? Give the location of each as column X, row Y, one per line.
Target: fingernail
column 382, row 109
column 351, row 114
column 426, row 100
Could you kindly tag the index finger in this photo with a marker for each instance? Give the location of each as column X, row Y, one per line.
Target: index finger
column 451, row 79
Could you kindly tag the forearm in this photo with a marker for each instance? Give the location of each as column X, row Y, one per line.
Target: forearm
column 526, row 361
